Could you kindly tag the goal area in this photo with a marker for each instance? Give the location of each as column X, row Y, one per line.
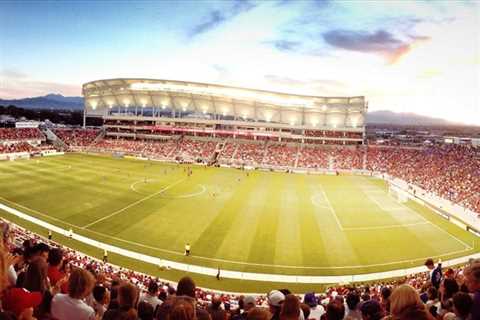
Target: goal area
column 398, row 193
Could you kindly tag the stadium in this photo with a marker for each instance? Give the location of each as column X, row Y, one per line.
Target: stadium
column 266, row 188
column 240, row 160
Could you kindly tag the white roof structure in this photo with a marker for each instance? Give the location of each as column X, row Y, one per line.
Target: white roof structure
column 182, row 98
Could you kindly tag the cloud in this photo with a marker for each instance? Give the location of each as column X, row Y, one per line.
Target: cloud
column 313, row 86
column 217, row 17
column 285, row 45
column 214, row 19
column 12, row 74
column 380, row 42
column 362, row 41
column 15, row 84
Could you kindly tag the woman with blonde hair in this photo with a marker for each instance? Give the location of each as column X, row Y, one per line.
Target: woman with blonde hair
column 71, row 306
column 405, row 304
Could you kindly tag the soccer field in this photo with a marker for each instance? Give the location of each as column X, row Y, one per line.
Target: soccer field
column 265, row 222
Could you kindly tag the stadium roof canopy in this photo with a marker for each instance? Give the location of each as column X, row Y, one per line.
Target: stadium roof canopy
column 181, row 99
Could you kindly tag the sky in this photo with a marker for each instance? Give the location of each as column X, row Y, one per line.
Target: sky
column 404, row 56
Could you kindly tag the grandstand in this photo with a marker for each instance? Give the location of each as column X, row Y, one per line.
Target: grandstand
column 161, row 109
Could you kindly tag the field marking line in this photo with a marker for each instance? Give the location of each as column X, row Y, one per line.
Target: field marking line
column 339, row 224
column 132, row 186
column 379, row 204
column 133, row 204
column 391, row 226
column 189, row 195
column 467, row 246
column 232, row 261
column 408, row 209
column 182, row 196
column 315, row 202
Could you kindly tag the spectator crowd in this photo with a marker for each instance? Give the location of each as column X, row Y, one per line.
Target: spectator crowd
column 77, row 137
column 43, row 280
column 20, row 134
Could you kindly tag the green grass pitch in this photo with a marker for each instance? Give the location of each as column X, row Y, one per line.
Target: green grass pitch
column 265, row 222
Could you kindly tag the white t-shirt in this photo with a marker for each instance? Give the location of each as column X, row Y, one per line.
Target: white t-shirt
column 152, row 300
column 66, row 308
column 316, row 312
column 12, row 275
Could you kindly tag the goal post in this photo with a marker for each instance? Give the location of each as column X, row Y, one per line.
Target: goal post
column 398, row 193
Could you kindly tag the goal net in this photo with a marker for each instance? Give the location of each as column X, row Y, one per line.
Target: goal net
column 397, row 193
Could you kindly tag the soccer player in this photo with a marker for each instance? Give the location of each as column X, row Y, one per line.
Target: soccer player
column 187, row 249
column 105, row 256
column 49, row 234
column 70, row 233
column 218, row 274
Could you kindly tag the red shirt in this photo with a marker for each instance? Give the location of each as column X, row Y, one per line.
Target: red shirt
column 18, row 299
column 54, row 275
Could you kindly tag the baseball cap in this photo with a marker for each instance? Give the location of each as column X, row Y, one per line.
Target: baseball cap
column 275, row 298
column 310, row 299
column 18, row 299
column 249, row 300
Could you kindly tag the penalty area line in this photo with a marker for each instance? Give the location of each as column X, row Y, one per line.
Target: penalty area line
column 133, row 204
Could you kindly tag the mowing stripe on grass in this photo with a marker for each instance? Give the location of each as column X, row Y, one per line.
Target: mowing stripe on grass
column 8, row 209
column 330, row 207
column 133, row 204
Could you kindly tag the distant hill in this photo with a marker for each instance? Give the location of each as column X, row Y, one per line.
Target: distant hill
column 59, row 102
column 50, row 101
column 403, row 118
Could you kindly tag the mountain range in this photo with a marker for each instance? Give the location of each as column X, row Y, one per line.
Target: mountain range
column 59, row 102
column 50, row 101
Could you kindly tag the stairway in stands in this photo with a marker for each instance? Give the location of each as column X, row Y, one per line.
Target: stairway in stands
column 218, row 151
column 297, row 156
column 54, row 139
column 234, row 152
column 364, row 164
column 265, row 151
